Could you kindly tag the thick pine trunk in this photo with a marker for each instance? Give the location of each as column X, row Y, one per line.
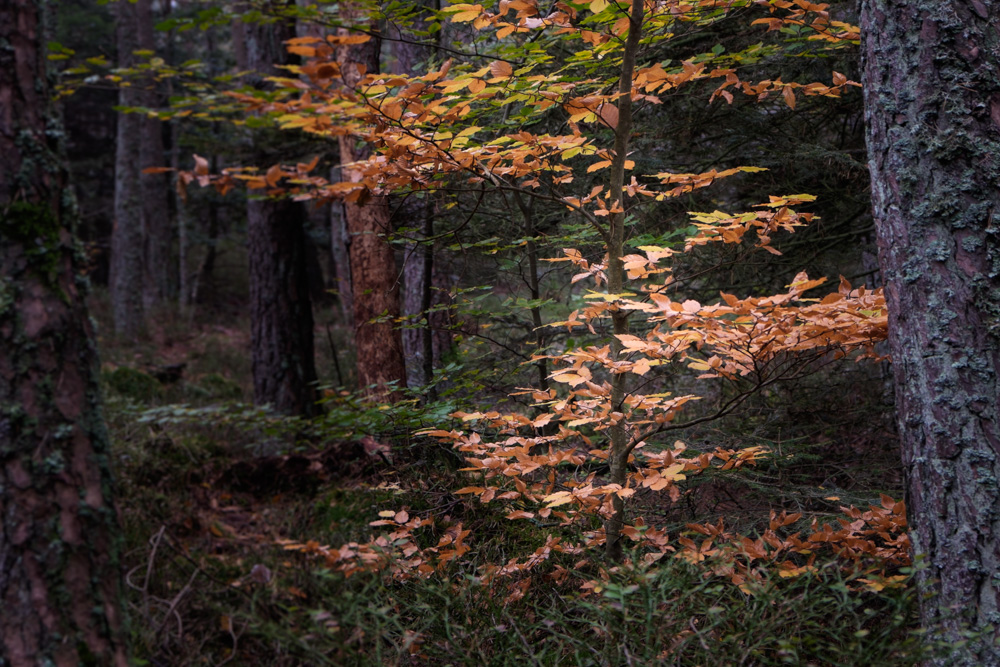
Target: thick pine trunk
column 284, row 371
column 281, row 320
column 60, row 586
column 373, row 265
column 932, row 103
column 127, row 243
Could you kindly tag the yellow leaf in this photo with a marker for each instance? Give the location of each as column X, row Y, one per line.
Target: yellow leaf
column 558, row 498
column 874, row 586
column 598, row 6
column 674, row 472
column 347, row 40
column 471, row 14
column 608, row 297
column 572, row 379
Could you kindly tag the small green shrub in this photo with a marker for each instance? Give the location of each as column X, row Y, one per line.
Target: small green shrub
column 133, row 384
column 220, row 387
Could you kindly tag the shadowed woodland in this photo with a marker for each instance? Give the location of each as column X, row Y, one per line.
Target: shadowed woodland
column 583, row 333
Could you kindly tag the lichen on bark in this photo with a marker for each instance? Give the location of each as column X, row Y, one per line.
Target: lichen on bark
column 932, row 102
column 60, row 582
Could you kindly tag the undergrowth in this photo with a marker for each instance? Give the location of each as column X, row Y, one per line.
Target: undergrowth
column 209, row 582
column 211, row 492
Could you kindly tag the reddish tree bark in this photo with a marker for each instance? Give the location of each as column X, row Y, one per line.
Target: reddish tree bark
column 374, row 284
column 932, row 105
column 60, row 586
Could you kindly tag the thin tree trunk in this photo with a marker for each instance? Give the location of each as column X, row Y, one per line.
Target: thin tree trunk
column 417, row 271
column 531, row 251
column 155, row 198
column 616, row 277
column 340, row 243
column 180, row 205
column 204, row 277
column 418, row 216
column 932, row 105
column 127, row 243
column 426, row 300
column 284, row 371
column 380, row 360
column 60, row 586
column 183, row 224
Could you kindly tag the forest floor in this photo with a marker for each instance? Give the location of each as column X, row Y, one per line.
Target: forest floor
column 213, row 493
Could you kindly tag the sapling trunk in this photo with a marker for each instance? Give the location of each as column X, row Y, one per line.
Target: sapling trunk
column 616, row 278
column 536, row 310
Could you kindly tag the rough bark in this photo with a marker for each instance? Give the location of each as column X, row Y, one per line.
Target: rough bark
column 127, row 244
column 374, row 285
column 418, row 270
column 284, row 371
column 157, row 230
column 60, row 587
column 418, row 216
column 932, row 105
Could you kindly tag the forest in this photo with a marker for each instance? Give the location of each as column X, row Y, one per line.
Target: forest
column 597, row 332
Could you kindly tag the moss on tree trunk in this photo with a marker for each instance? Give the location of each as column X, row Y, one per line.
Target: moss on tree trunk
column 60, row 582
